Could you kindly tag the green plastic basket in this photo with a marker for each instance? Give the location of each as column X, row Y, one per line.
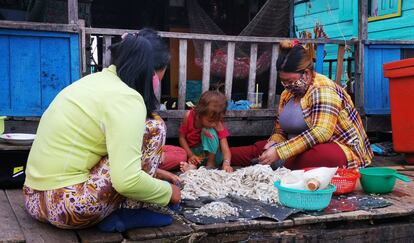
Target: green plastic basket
column 305, row 199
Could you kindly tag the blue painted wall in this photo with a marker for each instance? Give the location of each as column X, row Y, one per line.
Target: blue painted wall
column 337, row 19
column 376, row 90
column 34, row 67
column 340, row 21
column 401, row 28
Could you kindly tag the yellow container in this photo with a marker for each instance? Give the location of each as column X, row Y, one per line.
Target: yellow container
column 2, row 124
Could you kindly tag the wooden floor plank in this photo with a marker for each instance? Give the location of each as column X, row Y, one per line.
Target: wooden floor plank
column 11, row 147
column 93, row 235
column 241, row 225
column 403, row 205
column 409, row 167
column 380, row 161
column 309, row 219
column 13, row 215
column 142, row 234
column 9, row 227
column 177, row 229
column 396, row 167
column 33, row 230
column 402, row 198
column 407, row 173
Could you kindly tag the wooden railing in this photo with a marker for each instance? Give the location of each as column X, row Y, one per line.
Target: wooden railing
column 241, row 123
column 349, row 61
column 108, row 34
column 231, row 41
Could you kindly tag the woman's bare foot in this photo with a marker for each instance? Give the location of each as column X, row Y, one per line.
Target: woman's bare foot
column 184, row 166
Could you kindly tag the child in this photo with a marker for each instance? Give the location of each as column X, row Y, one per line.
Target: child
column 203, row 135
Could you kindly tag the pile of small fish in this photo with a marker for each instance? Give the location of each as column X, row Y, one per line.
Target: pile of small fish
column 254, row 182
column 217, row 210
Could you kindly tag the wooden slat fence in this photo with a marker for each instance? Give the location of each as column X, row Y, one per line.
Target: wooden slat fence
column 231, row 42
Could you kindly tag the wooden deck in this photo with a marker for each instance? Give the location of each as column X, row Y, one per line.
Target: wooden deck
column 393, row 223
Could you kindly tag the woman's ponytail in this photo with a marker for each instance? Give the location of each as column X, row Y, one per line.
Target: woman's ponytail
column 293, row 57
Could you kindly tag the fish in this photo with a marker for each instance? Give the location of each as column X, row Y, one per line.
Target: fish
column 255, row 182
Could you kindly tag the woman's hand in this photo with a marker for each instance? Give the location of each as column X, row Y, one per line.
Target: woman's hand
column 268, row 157
column 168, row 176
column 268, row 145
column 194, row 159
column 176, row 195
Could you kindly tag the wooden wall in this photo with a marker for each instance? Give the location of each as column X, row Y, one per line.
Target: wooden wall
column 193, row 71
column 34, row 67
column 339, row 18
column 376, row 92
column 336, row 16
column 401, row 28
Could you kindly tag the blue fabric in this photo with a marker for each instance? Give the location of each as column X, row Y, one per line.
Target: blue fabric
column 175, row 208
column 124, row 219
column 238, row 105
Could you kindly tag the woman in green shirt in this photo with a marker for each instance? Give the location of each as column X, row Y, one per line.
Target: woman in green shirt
column 86, row 158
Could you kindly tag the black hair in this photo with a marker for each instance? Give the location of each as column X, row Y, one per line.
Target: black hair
column 159, row 48
column 135, row 67
column 293, row 59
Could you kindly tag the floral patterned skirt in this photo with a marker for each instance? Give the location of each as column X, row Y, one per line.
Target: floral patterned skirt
column 86, row 204
column 77, row 206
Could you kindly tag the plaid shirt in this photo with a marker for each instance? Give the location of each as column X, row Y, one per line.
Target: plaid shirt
column 331, row 117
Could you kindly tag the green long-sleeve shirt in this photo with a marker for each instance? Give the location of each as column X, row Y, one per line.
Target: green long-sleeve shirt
column 96, row 116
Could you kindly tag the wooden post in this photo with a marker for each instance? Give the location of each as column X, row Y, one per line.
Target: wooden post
column 252, row 71
column 362, row 37
column 273, row 77
column 82, row 40
column 88, row 53
column 106, row 53
column 319, row 57
column 206, row 65
column 72, row 11
column 229, row 69
column 339, row 64
column 330, row 70
column 182, row 79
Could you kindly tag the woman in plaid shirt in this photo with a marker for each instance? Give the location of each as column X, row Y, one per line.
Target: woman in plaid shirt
column 318, row 124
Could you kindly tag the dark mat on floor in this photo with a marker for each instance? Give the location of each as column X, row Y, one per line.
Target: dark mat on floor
column 247, row 209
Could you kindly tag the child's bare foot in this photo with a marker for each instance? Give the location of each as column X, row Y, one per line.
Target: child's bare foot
column 210, row 166
column 184, row 166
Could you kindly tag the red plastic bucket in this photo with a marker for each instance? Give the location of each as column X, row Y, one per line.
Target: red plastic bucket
column 401, row 75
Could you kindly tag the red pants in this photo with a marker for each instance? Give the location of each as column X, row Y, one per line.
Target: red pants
column 326, row 154
column 171, row 158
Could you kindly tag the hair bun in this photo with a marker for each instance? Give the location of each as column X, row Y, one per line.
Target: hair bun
column 287, row 45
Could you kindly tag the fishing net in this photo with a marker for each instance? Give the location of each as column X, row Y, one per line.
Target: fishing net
column 272, row 20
